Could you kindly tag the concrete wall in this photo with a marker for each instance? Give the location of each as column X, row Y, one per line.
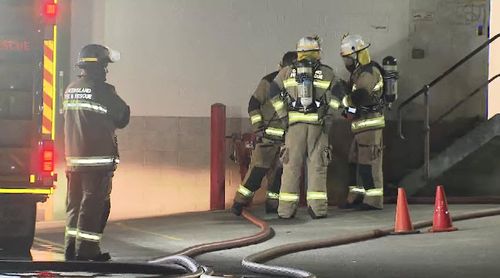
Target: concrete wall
column 447, row 31
column 180, row 56
column 494, row 62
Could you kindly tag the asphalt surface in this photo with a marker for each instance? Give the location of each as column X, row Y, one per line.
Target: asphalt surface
column 472, row 251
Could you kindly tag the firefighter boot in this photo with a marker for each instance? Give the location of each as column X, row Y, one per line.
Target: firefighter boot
column 271, row 206
column 313, row 215
column 102, row 257
column 237, row 208
column 365, row 206
column 355, row 204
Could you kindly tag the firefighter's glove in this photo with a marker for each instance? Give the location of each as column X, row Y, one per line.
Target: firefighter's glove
column 350, row 113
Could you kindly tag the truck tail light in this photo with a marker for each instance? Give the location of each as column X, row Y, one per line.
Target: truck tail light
column 47, row 156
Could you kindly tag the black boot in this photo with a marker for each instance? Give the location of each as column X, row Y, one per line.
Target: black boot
column 313, row 215
column 237, row 208
column 354, row 205
column 102, row 257
column 271, row 206
column 364, row 206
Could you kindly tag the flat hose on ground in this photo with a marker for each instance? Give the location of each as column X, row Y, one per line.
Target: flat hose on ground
column 255, row 261
column 264, row 234
column 101, row 268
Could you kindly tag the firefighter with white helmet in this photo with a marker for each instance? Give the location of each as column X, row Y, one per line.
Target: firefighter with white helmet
column 92, row 112
column 265, row 157
column 364, row 106
column 303, row 94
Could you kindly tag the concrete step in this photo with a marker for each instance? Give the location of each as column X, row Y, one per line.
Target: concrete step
column 470, row 159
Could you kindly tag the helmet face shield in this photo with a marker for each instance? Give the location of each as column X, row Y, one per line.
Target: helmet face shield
column 114, row 56
column 312, row 55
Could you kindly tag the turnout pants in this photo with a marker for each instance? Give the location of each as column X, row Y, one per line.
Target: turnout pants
column 304, row 143
column 366, row 177
column 264, row 162
column 87, row 208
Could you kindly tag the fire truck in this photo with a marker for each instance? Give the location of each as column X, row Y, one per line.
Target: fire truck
column 27, row 112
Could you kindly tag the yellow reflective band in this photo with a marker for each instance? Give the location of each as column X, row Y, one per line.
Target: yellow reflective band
column 91, row 161
column 289, row 197
column 334, row 104
column 278, row 104
column 255, row 118
column 317, row 196
column 275, row 131
column 71, row 231
column 44, row 191
column 377, row 122
column 322, row 84
column 88, row 236
column 346, row 101
column 32, row 178
column 375, row 192
column 89, row 59
column 272, row 195
column 379, row 85
column 290, row 82
column 245, row 191
column 358, row 190
column 294, row 117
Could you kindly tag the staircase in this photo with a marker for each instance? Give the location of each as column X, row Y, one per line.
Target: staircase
column 469, row 166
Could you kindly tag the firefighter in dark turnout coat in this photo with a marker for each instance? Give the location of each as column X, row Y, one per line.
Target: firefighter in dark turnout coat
column 92, row 112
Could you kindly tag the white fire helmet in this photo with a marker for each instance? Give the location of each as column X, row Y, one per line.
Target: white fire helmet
column 352, row 44
column 308, row 44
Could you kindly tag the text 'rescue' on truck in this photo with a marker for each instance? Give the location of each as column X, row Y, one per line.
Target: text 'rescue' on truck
column 27, row 112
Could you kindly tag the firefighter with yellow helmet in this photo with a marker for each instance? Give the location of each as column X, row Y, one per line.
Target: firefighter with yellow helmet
column 303, row 94
column 265, row 157
column 364, row 106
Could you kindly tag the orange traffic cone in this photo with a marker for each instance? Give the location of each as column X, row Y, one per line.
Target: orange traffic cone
column 402, row 223
column 442, row 219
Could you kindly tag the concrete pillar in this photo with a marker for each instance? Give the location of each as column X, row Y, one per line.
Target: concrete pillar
column 494, row 63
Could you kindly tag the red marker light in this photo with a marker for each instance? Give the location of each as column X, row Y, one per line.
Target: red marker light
column 50, row 10
column 47, row 156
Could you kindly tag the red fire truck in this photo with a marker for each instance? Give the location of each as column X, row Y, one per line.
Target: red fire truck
column 27, row 112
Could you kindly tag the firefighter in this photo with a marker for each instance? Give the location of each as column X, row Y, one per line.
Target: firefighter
column 365, row 107
column 92, row 112
column 302, row 95
column 265, row 157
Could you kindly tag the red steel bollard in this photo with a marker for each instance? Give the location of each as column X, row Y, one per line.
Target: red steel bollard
column 217, row 156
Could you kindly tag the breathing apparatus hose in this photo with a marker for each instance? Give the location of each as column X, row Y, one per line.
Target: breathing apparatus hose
column 255, row 261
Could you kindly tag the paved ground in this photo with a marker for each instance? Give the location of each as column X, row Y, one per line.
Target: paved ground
column 472, row 251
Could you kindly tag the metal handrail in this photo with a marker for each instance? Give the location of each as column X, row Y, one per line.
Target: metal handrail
column 473, row 93
column 425, row 91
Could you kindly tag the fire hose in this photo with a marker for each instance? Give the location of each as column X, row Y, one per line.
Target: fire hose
column 255, row 262
column 184, row 257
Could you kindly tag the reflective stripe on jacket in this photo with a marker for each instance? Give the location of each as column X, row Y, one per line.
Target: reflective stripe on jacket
column 92, row 112
column 367, row 124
